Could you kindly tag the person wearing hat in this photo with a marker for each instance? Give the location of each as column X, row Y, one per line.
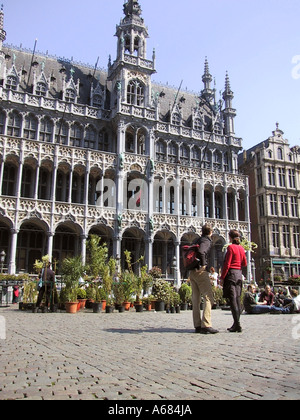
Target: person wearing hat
column 48, row 282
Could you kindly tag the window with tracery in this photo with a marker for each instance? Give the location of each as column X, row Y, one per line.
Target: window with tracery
column 30, row 129
column 11, row 83
column 46, row 130
column 161, row 151
column 61, row 132
column 176, row 119
column 14, row 124
column 90, row 138
column 70, row 96
column 41, row 89
column 135, row 93
column 76, row 135
column 97, row 101
column 2, row 122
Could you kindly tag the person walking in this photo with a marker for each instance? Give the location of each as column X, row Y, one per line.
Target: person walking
column 201, row 286
column 231, row 278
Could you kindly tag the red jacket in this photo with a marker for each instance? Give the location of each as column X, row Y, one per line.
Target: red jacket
column 235, row 259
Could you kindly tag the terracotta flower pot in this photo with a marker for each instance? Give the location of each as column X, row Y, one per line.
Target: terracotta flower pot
column 71, row 307
column 126, row 306
column 103, row 305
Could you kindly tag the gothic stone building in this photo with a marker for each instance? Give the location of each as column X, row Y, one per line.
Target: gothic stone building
column 86, row 151
column 273, row 168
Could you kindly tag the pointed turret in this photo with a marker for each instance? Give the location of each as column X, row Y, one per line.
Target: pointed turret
column 2, row 31
column 207, row 78
column 229, row 112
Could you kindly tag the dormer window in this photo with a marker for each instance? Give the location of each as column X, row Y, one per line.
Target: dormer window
column 70, row 96
column 41, row 89
column 11, row 83
column 97, row 101
column 176, row 119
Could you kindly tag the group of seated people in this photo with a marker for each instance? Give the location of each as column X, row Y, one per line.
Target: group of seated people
column 283, row 302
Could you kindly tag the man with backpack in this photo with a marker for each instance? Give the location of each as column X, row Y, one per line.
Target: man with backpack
column 201, row 285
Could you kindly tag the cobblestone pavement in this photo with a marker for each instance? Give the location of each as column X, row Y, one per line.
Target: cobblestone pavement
column 147, row 356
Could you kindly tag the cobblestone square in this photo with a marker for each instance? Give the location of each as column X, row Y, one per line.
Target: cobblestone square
column 147, row 356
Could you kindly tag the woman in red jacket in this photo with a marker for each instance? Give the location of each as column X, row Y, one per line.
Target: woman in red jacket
column 231, row 278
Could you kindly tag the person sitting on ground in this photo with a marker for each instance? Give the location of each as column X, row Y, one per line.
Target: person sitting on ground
column 293, row 307
column 250, row 304
column 267, row 297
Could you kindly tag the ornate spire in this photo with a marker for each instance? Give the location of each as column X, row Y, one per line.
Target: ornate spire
column 131, row 8
column 207, row 77
column 207, row 92
column 2, row 31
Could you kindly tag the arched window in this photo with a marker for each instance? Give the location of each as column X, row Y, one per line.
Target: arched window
column 161, row 151
column 28, row 182
column 135, row 93
column 218, row 206
column 217, row 161
column 280, row 154
column 46, row 130
column 2, row 122
column 104, row 144
column 14, row 124
column 30, row 129
column 9, row 180
column 90, row 138
column 127, row 44
column 196, row 156
column 76, row 135
column 172, row 153
column 136, row 45
column 61, row 132
column 207, row 204
column 184, row 155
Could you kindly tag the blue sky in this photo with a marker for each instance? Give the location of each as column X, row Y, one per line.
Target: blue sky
column 256, row 41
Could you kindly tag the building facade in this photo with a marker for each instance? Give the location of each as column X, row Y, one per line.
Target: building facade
column 273, row 168
column 109, row 152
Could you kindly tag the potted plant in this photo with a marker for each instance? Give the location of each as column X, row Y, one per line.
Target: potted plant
column 176, row 301
column 147, row 302
column 109, row 305
column 185, row 293
column 118, row 293
column 81, row 297
column 137, row 281
column 160, row 291
column 90, row 295
column 126, row 279
column 72, row 270
column 30, row 295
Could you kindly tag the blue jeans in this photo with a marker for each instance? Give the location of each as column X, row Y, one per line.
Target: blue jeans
column 261, row 309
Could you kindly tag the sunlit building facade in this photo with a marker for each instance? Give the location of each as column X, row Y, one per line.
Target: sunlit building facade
column 109, row 152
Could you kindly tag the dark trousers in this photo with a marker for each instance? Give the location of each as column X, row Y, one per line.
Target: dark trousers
column 233, row 291
column 44, row 290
